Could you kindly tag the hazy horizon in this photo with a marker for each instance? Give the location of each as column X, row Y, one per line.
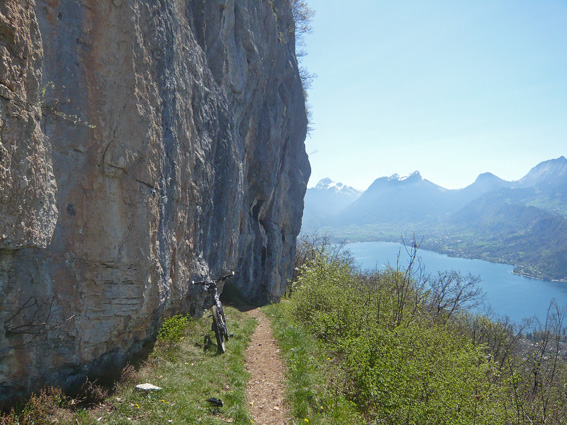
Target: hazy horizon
column 451, row 89
column 401, row 176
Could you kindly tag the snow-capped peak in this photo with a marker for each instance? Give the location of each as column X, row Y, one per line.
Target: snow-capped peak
column 328, row 184
column 397, row 177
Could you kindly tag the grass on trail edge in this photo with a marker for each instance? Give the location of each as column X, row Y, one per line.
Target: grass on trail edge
column 189, row 372
column 311, row 377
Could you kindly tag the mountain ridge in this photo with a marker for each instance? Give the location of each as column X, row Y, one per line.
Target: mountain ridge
column 545, row 172
column 494, row 219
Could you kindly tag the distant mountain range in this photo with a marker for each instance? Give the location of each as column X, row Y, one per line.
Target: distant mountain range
column 324, row 201
column 521, row 222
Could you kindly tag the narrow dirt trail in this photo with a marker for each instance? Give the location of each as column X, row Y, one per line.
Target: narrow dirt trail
column 265, row 390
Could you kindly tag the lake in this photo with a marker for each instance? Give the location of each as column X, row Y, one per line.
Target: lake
column 508, row 294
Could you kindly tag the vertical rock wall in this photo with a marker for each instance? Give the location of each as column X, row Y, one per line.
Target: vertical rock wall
column 28, row 210
column 144, row 143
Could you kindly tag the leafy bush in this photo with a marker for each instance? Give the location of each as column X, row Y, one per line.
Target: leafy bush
column 406, row 350
column 311, row 376
column 401, row 362
column 173, row 329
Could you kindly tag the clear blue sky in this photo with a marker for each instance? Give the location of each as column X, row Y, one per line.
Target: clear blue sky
column 451, row 88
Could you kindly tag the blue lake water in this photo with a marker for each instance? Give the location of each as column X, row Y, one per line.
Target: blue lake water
column 508, row 294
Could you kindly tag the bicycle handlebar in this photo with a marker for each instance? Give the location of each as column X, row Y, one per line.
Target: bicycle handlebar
column 210, row 282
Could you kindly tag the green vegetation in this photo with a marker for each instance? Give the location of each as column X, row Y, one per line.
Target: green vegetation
column 189, row 372
column 173, row 329
column 402, row 349
column 312, row 376
column 538, row 253
column 393, row 347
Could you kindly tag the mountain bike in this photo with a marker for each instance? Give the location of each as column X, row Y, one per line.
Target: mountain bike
column 219, row 320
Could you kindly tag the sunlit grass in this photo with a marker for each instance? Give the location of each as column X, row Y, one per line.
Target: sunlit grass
column 189, row 372
column 311, row 376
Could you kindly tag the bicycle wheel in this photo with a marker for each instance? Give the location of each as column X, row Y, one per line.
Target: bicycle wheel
column 218, row 328
column 224, row 327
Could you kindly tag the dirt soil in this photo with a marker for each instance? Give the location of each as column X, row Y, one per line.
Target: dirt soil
column 265, row 391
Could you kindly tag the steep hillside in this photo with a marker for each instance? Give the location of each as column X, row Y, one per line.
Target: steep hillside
column 552, row 172
column 496, row 211
column 484, row 183
column 143, row 144
column 532, row 239
column 545, row 187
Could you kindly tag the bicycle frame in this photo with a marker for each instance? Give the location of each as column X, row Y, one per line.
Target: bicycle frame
column 219, row 319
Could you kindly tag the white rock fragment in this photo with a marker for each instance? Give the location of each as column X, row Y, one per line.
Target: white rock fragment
column 147, row 387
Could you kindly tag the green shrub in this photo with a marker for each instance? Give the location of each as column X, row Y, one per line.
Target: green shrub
column 173, row 329
column 422, row 375
column 313, row 384
column 399, row 359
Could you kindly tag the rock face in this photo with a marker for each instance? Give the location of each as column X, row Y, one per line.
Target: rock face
column 144, row 143
column 28, row 211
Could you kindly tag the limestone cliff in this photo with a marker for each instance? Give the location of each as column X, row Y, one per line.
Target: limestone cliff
column 143, row 143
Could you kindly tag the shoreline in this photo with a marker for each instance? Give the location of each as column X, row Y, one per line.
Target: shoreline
column 514, row 271
column 460, row 254
column 517, row 273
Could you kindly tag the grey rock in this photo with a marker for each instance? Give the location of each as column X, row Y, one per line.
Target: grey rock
column 28, row 211
column 157, row 142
